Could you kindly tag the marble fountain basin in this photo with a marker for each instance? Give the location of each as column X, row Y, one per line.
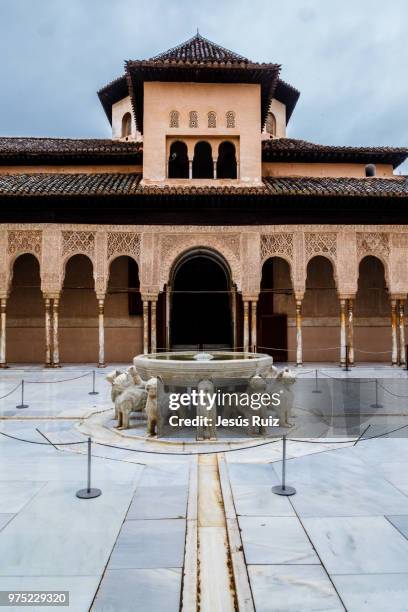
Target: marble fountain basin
column 189, row 367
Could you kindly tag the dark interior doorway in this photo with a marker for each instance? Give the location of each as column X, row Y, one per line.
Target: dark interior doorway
column 203, row 167
column 227, row 161
column 201, row 303
column 178, row 160
column 276, row 301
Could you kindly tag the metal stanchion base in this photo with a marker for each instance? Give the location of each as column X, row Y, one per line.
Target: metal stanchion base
column 93, row 393
column 287, row 491
column 316, row 391
column 88, row 493
column 376, row 406
column 21, row 406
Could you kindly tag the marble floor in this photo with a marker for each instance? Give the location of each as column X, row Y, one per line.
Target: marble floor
column 341, row 543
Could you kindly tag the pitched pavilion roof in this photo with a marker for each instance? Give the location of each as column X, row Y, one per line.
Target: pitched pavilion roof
column 199, row 49
column 14, row 150
column 292, row 149
column 115, row 184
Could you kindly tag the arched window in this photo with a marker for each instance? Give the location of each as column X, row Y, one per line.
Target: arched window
column 230, row 119
column 212, row 119
column 271, row 124
column 174, row 119
column 193, row 123
column 178, row 160
column 126, row 125
column 227, row 161
column 203, row 162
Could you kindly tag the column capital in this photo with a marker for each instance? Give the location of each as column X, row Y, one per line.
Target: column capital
column 347, row 296
column 398, row 296
column 299, row 295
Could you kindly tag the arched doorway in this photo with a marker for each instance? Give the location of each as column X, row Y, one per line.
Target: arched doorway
column 25, row 309
column 123, row 311
column 372, row 312
column 276, row 303
column 201, row 314
column 227, row 161
column 78, row 327
column 203, row 167
column 178, row 160
column 321, row 312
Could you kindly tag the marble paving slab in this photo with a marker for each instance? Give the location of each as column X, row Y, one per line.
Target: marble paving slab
column 15, row 495
column 373, row 593
column 333, row 484
column 59, row 534
column 159, row 503
column 400, row 523
column 252, row 474
column 165, row 474
column 81, row 589
column 292, row 588
column 148, row 544
column 275, row 540
column 259, row 500
column 141, row 590
column 5, row 519
column 358, row 545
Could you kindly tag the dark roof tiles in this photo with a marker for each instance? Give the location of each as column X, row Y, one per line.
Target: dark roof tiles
column 199, row 49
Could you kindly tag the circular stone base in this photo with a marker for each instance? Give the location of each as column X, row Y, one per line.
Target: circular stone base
column 88, row 493
column 287, row 491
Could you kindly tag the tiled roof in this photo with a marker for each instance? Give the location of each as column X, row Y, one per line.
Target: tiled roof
column 116, row 184
column 291, row 149
column 199, row 49
column 316, row 186
column 69, row 184
column 31, row 150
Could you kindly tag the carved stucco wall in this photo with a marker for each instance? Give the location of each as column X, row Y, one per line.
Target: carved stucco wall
column 245, row 249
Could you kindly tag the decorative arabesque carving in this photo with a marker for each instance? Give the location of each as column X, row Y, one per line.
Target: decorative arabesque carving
column 24, row 241
column 322, row 243
column 276, row 244
column 123, row 243
column 373, row 243
column 78, row 242
column 230, row 119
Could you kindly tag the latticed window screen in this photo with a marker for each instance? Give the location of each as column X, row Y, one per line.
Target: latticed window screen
column 230, row 117
column 212, row 119
column 193, row 119
column 174, row 119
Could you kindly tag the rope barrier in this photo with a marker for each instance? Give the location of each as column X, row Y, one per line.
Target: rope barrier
column 2, row 433
column 11, row 392
column 50, row 382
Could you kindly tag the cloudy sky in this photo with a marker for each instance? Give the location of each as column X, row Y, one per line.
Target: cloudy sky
column 348, row 58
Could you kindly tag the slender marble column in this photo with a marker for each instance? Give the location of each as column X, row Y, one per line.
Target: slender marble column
column 3, row 308
column 234, row 316
column 401, row 321
column 55, row 352
column 343, row 334
column 299, row 345
column 190, row 168
column 145, row 327
column 394, row 341
column 246, row 326
column 214, row 168
column 253, row 326
column 168, row 295
column 351, row 331
column 48, row 363
column 101, row 326
column 153, row 326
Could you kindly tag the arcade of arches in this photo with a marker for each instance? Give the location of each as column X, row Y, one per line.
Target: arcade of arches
column 90, row 293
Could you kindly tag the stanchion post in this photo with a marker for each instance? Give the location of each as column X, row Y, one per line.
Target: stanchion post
column 376, row 405
column 22, row 405
column 347, row 369
column 284, row 489
column 93, row 392
column 89, row 493
column 406, row 356
column 316, row 389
